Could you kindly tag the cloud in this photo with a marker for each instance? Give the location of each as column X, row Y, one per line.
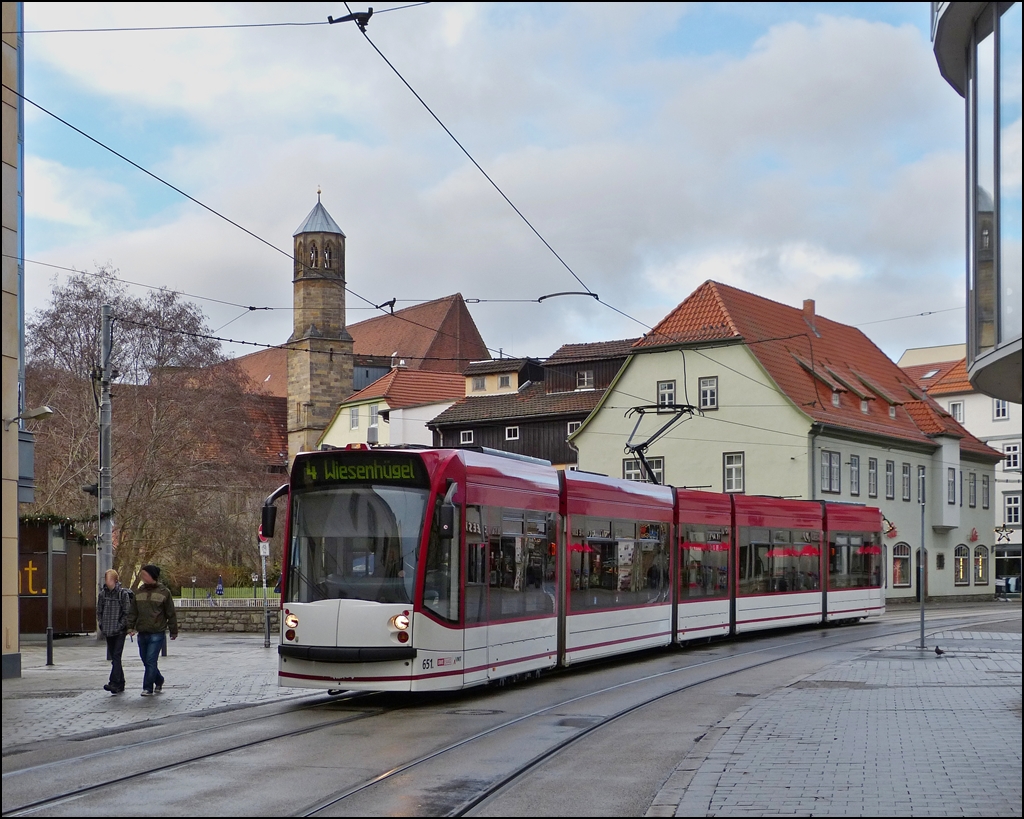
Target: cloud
column 823, row 161
column 69, row 196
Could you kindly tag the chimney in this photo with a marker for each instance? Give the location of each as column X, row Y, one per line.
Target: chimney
column 809, row 315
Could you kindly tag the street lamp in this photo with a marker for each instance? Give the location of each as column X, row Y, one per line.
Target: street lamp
column 255, row 577
column 35, row 414
column 193, row 587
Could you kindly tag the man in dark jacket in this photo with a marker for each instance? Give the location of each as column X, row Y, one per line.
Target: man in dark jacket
column 112, row 609
column 152, row 613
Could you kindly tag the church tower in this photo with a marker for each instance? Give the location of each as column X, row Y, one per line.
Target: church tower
column 320, row 348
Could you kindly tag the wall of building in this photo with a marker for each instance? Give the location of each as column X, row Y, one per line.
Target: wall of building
column 11, row 328
column 752, row 418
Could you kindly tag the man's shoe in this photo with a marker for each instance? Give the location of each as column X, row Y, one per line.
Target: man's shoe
column 109, row 687
column 117, row 690
column 159, row 688
column 147, row 693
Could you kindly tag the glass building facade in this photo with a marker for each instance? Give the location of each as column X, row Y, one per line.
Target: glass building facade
column 978, row 49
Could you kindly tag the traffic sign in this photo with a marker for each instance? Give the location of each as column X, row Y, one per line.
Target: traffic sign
column 259, row 534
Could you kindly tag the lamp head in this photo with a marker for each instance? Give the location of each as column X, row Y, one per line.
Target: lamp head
column 34, row 414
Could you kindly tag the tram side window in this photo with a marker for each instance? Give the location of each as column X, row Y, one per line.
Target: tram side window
column 617, row 563
column 476, row 566
column 441, row 582
column 778, row 560
column 704, row 561
column 855, row 560
column 510, row 567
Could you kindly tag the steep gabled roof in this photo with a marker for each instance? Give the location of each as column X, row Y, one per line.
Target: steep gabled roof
column 318, row 221
column 437, row 335
column 808, row 357
column 267, row 371
column 531, row 402
column 403, row 387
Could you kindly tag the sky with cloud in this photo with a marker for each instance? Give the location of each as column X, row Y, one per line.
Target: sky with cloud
column 793, row 150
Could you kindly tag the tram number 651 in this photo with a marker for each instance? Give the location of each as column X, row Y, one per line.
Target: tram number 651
column 428, row 664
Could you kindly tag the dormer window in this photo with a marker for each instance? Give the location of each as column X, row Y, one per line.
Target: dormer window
column 327, row 258
column 864, row 405
column 835, row 398
column 584, row 379
column 892, row 411
column 314, row 256
column 479, row 383
column 504, row 381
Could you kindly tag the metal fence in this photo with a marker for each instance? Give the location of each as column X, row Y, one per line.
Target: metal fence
column 273, row 601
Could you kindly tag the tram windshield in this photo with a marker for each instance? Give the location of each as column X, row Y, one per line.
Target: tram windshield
column 355, row 542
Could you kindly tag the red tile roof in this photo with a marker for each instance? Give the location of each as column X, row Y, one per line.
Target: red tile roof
column 808, row 356
column 437, row 335
column 267, row 370
column 403, row 387
column 951, row 379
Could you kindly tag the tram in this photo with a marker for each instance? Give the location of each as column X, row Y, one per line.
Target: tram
column 439, row 569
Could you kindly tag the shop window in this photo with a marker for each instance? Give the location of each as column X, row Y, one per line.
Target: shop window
column 980, row 566
column 901, row 565
column 962, row 565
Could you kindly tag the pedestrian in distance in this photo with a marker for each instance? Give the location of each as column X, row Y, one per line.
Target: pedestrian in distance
column 112, row 609
column 152, row 613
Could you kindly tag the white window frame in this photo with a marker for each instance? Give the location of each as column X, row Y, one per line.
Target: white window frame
column 951, row 485
column 907, row 478
column 855, row 475
column 512, row 433
column 831, row 471
column 734, row 472
column 708, row 392
column 353, row 418
column 956, row 409
column 1000, row 410
column 1011, row 509
column 374, row 415
column 972, row 490
column 872, row 477
column 478, row 383
column 666, row 393
column 890, row 480
column 633, row 470
column 985, row 492
column 572, row 426
column 1011, row 457
column 466, row 436
column 504, row 381
column 584, row 379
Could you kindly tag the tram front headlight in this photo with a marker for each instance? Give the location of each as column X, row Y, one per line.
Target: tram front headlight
column 400, row 622
column 291, row 621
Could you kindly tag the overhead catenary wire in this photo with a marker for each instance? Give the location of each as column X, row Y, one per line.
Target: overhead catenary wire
column 114, row 29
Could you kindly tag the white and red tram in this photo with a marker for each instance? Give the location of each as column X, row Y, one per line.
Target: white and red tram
column 434, row 569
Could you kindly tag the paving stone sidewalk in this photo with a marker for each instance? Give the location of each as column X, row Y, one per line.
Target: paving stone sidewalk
column 896, row 732
column 202, row 671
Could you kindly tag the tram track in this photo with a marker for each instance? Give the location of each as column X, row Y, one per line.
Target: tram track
column 511, row 777
column 483, row 791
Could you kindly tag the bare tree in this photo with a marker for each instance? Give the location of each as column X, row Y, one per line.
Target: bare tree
column 189, row 454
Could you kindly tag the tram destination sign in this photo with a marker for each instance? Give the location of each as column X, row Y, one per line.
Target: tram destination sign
column 347, row 467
